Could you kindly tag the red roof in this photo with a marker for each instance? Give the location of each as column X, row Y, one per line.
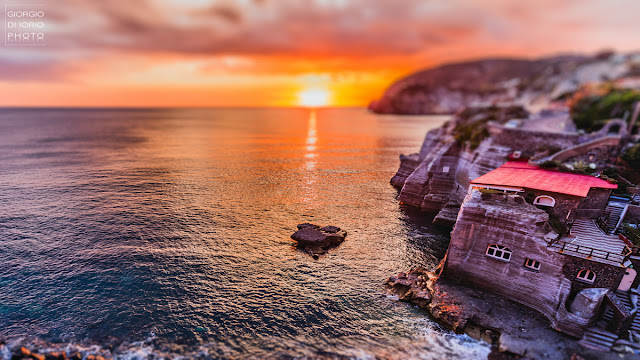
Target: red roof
column 521, row 174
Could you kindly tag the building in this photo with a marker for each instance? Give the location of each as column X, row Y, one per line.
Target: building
column 533, row 236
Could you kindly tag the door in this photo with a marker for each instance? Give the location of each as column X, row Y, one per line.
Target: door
column 627, row 280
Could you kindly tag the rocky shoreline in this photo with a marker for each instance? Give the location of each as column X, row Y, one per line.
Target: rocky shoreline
column 31, row 348
column 513, row 330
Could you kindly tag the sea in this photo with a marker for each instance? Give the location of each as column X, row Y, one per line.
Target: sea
column 165, row 233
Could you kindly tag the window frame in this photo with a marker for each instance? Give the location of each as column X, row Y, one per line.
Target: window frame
column 495, row 249
column 532, row 266
column 585, row 277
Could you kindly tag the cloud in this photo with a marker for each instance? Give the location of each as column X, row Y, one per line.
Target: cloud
column 330, row 33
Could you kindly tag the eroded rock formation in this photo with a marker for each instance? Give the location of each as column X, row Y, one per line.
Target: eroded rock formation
column 514, row 330
column 473, row 143
column 317, row 240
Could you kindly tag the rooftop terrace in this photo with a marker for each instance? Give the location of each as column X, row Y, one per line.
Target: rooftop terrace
column 587, row 241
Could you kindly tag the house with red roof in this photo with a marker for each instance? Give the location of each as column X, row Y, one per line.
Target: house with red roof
column 536, row 236
column 566, row 194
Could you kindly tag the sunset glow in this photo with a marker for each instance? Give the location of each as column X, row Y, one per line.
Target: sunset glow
column 284, row 53
column 314, row 97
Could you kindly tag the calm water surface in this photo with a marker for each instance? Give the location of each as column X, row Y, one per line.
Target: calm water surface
column 175, row 225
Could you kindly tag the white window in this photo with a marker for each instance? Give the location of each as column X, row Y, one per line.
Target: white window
column 445, row 169
column 544, row 201
column 499, row 252
column 587, row 276
column 532, row 264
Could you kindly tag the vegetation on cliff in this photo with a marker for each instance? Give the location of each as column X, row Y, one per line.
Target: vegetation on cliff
column 631, row 233
column 632, row 156
column 592, row 107
column 471, row 123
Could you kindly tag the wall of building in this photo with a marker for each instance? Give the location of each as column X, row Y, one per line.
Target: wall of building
column 594, row 203
column 530, row 140
column 564, row 203
column 508, row 220
column 607, row 276
column 633, row 214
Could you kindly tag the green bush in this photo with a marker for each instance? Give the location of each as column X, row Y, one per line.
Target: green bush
column 591, row 112
column 550, row 164
column 491, row 191
column 471, row 123
column 473, row 134
column 550, row 148
column 610, row 171
column 631, row 233
column 581, row 167
column 632, row 156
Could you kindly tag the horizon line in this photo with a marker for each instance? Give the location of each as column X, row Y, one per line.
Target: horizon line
column 108, row 107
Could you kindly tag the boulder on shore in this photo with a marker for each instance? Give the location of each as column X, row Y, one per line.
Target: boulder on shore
column 316, row 239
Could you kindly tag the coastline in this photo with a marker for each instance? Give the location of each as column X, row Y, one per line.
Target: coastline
column 513, row 330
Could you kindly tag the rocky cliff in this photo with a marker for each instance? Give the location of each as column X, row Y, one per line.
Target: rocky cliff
column 448, row 88
column 478, row 139
column 473, row 143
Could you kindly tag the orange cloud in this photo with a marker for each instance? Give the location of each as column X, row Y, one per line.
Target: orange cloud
column 242, row 52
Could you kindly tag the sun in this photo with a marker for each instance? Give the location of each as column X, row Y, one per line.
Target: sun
column 314, row 97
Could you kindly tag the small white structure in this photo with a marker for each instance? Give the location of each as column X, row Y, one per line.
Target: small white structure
column 544, row 200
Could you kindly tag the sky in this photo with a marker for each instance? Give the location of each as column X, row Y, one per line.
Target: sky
column 279, row 52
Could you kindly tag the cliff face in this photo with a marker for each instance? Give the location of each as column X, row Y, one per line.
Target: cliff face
column 475, row 142
column 479, row 138
column 507, row 220
column 448, row 88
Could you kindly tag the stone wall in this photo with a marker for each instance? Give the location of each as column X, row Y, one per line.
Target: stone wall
column 602, row 151
column 509, row 221
column 595, row 202
column 607, row 276
column 564, row 203
column 529, row 140
column 636, row 265
column 633, row 214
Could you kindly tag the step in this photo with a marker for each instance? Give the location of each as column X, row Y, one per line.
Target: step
column 597, row 342
column 593, row 346
column 601, row 333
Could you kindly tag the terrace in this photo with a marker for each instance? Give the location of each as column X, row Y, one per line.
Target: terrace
column 587, row 241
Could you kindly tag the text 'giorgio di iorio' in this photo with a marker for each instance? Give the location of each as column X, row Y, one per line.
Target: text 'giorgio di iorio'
column 25, row 25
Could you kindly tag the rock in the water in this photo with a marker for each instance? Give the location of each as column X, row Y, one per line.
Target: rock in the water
column 316, row 239
column 307, row 225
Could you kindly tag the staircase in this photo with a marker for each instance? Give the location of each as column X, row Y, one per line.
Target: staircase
column 597, row 338
column 588, row 235
column 612, row 212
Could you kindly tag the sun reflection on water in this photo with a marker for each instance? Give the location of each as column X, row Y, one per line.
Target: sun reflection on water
column 310, row 156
